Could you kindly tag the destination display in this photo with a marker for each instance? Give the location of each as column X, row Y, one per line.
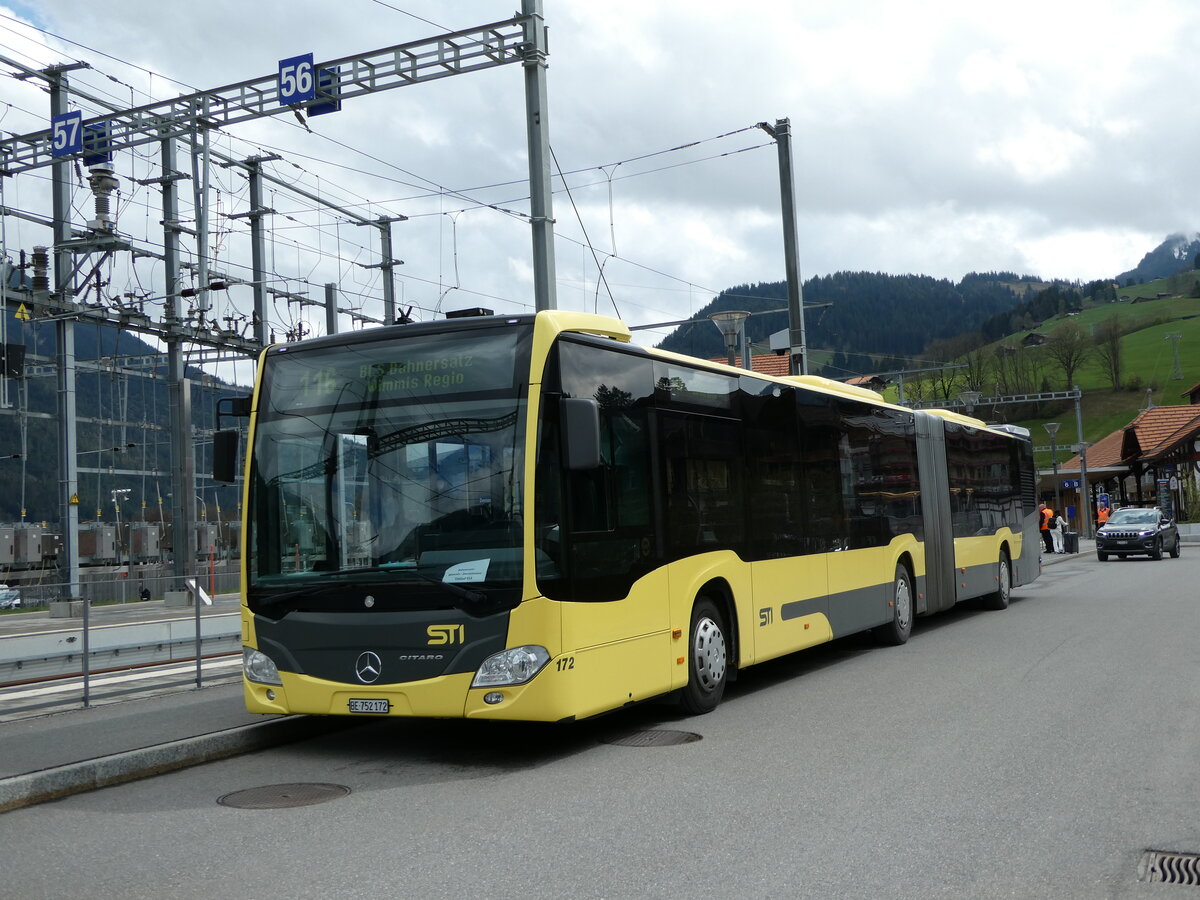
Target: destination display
column 394, row 372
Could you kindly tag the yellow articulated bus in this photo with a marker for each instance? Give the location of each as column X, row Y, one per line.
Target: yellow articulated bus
column 532, row 518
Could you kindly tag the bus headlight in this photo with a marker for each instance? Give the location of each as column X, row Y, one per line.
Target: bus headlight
column 259, row 667
column 515, row 666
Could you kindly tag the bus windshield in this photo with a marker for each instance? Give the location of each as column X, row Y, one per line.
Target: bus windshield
column 393, row 463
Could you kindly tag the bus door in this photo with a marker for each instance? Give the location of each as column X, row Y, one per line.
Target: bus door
column 789, row 523
column 939, row 589
column 853, row 458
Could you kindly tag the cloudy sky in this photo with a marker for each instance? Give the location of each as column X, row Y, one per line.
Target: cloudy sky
column 1054, row 138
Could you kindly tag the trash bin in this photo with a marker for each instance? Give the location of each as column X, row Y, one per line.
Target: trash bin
column 1070, row 542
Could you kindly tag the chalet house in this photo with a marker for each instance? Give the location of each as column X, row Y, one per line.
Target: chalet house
column 872, row 382
column 763, row 363
column 1149, row 459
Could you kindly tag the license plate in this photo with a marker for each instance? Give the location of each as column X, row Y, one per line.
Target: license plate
column 370, row 706
column 1122, row 543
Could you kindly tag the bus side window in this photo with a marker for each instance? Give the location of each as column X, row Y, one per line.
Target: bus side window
column 819, row 441
column 590, row 507
column 702, row 462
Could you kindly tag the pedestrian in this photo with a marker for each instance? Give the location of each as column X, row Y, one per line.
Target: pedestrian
column 1102, row 515
column 1047, row 515
column 144, row 593
column 1057, row 527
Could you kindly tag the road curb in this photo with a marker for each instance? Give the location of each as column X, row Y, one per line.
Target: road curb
column 19, row 791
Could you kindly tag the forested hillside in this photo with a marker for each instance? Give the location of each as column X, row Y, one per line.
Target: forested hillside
column 852, row 314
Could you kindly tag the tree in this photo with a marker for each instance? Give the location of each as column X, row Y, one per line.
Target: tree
column 1108, row 347
column 1018, row 370
column 1068, row 346
column 978, row 370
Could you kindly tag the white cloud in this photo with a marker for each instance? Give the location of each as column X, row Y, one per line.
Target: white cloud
column 942, row 138
column 1037, row 152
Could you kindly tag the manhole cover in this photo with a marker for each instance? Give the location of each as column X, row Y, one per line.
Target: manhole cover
column 283, row 796
column 652, row 738
column 1169, row 868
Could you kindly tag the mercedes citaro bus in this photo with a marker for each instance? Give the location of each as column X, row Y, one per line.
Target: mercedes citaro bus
column 530, row 517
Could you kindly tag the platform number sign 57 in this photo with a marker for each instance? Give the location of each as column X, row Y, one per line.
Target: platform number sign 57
column 297, row 81
column 66, row 134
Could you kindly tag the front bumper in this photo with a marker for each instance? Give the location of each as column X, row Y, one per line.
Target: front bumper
column 1126, row 544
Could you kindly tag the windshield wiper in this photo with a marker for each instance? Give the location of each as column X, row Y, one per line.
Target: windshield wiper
column 358, row 570
column 275, row 599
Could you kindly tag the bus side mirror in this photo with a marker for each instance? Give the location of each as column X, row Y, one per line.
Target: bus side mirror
column 225, row 443
column 224, row 456
column 580, row 419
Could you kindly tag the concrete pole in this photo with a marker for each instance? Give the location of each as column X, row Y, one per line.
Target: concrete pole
column 201, row 167
column 65, row 355
column 541, row 206
column 183, row 465
column 258, row 252
column 387, row 264
column 787, row 198
column 331, row 319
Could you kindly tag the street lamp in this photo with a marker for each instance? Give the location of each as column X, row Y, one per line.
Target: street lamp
column 729, row 323
column 1052, row 430
column 969, row 399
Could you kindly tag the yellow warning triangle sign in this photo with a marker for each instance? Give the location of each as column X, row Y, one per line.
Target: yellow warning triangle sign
column 22, row 313
column 75, row 499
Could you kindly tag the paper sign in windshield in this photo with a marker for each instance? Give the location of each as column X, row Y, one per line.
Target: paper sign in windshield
column 467, row 572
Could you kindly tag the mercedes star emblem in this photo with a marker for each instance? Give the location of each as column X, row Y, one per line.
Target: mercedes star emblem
column 368, row 667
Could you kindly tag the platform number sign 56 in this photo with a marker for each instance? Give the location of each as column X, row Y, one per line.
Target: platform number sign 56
column 297, row 81
column 66, row 134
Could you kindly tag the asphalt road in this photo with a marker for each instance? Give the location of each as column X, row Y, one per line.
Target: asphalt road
column 1035, row 752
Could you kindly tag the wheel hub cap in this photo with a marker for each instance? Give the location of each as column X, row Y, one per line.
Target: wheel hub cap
column 709, row 654
column 903, row 603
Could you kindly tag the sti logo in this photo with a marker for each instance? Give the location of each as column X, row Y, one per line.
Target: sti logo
column 446, row 634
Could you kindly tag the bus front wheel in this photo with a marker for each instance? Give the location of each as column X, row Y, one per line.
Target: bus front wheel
column 896, row 632
column 708, row 663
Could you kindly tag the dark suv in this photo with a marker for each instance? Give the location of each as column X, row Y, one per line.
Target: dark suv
column 1134, row 530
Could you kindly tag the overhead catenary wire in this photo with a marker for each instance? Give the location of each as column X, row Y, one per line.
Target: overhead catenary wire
column 583, row 228
column 461, row 193
column 338, row 257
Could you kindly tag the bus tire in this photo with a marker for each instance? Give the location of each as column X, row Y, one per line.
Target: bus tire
column 896, row 632
column 999, row 598
column 708, row 659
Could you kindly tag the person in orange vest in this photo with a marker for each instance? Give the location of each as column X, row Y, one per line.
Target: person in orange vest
column 1102, row 515
column 1047, row 515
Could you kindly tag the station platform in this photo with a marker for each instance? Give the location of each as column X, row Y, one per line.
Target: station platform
column 56, row 755
column 39, row 619
column 1087, row 547
column 76, row 749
